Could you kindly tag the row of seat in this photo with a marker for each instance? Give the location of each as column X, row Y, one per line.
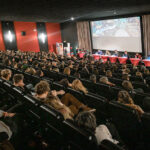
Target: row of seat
column 118, row 113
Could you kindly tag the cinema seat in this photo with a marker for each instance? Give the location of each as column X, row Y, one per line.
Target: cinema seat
column 108, row 145
column 79, row 138
column 126, row 121
column 146, row 129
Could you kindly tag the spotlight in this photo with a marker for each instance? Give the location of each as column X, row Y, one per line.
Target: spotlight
column 42, row 37
column 9, row 36
column 72, row 18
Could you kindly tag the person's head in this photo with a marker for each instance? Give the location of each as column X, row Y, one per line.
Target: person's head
column 77, row 85
column 124, row 97
column 42, row 89
column 86, row 120
column 18, row 80
column 7, row 62
column 56, row 69
column 139, row 74
column 127, row 85
column 146, row 72
column 125, row 77
column 103, row 80
column 108, row 73
column 93, row 78
column 6, row 74
column 67, row 71
column 31, row 71
column 39, row 73
column 124, row 66
column 126, row 52
column 65, row 82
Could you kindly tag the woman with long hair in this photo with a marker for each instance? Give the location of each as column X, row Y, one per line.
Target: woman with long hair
column 77, row 85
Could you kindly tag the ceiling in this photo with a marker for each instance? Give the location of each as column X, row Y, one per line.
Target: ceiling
column 62, row 10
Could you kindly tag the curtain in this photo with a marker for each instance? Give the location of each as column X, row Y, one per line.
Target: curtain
column 84, row 39
column 146, row 33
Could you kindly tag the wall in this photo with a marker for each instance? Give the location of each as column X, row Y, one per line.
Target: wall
column 2, row 46
column 53, row 35
column 29, row 42
column 69, row 33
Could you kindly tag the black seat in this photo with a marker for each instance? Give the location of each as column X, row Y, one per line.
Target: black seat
column 126, row 121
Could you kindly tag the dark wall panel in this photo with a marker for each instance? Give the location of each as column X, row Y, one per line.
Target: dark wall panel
column 42, row 36
column 9, row 35
column 69, row 33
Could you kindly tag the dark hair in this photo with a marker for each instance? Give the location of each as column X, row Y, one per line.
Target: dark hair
column 42, row 87
column 86, row 120
column 64, row 82
column 17, row 78
column 93, row 78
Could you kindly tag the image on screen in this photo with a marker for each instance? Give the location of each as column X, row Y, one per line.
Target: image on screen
column 117, row 34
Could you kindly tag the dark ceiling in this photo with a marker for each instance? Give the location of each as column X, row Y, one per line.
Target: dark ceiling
column 62, row 10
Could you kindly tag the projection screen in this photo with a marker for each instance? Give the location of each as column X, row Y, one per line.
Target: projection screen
column 117, row 34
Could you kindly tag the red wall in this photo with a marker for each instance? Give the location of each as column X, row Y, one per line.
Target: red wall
column 53, row 35
column 29, row 42
column 2, row 46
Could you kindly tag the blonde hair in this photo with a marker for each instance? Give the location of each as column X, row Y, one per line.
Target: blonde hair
column 108, row 73
column 103, row 80
column 5, row 73
column 127, row 85
column 31, row 71
column 138, row 74
column 124, row 98
column 67, row 71
column 77, row 85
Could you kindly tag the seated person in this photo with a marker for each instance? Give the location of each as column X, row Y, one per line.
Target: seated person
column 87, row 121
column 124, row 98
column 68, row 105
column 108, row 53
column 99, row 52
column 127, row 85
column 65, row 83
column 115, row 53
column 105, row 81
column 31, row 71
column 6, row 74
column 77, row 85
column 18, row 82
column 39, row 73
column 108, row 73
column 137, row 55
column 4, row 129
column 126, row 77
column 93, row 78
column 67, row 71
column 125, row 54
column 139, row 76
column 146, row 73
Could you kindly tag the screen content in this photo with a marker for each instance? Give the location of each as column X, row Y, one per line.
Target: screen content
column 117, row 34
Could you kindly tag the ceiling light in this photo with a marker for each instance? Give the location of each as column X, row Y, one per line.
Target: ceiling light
column 72, row 18
column 9, row 36
column 42, row 37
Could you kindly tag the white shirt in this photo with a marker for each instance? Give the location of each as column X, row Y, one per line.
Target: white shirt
column 4, row 127
column 102, row 133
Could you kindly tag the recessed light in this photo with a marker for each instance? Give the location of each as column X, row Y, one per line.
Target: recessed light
column 72, row 18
